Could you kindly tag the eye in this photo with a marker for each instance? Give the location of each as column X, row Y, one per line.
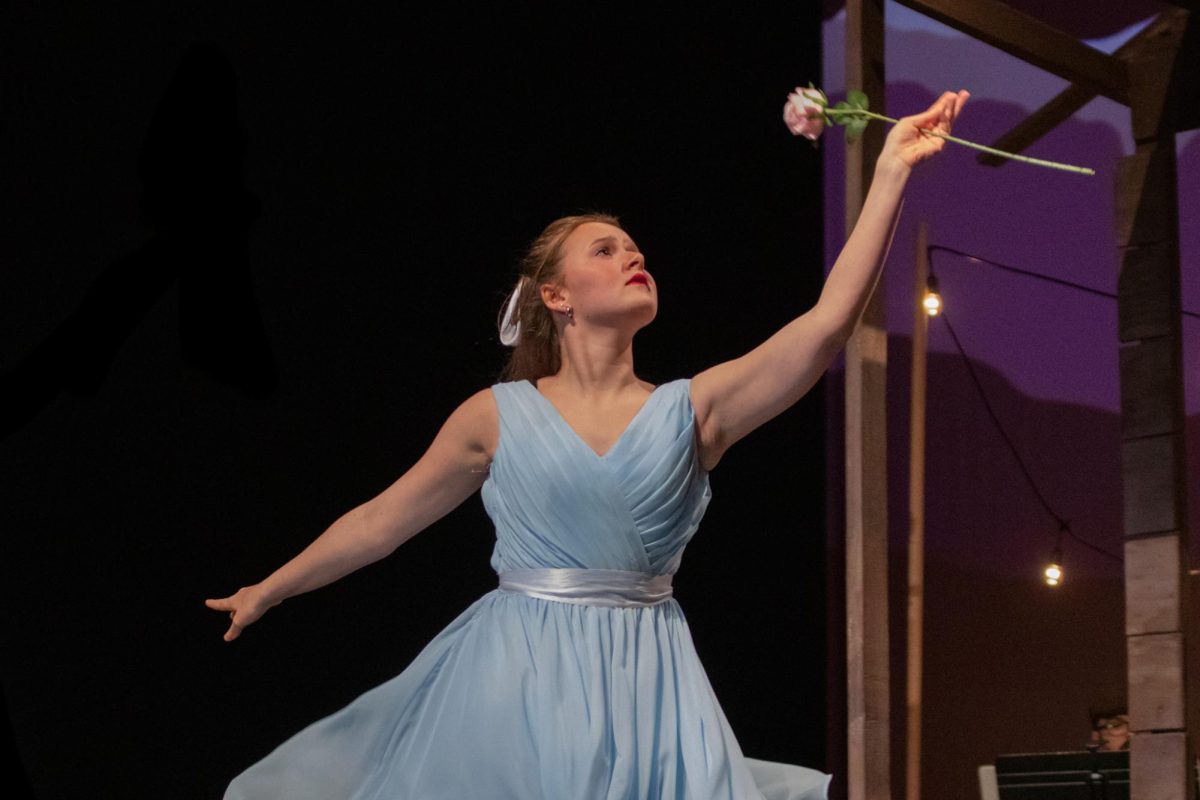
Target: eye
column 604, row 249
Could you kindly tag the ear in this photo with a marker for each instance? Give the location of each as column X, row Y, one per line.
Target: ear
column 554, row 296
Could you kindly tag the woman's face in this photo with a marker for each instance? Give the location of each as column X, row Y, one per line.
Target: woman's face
column 604, row 278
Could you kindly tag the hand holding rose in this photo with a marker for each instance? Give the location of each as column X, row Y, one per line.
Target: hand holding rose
column 913, row 140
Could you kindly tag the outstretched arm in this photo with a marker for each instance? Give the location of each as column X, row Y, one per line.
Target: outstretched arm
column 735, row 397
column 450, row 471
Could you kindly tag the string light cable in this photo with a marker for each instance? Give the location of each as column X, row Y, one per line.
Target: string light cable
column 1064, row 525
column 1028, row 273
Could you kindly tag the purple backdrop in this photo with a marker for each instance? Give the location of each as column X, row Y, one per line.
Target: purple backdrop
column 1011, row 665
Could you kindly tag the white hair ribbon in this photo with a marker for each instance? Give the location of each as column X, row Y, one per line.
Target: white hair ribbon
column 510, row 332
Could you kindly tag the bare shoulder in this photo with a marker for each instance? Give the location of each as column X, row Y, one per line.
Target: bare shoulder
column 477, row 422
column 709, row 446
column 453, row 467
column 701, row 395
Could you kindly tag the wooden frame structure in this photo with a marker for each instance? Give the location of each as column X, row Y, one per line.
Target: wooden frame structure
column 868, row 772
column 1148, row 74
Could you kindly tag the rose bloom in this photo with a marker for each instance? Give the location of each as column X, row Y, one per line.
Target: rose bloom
column 804, row 114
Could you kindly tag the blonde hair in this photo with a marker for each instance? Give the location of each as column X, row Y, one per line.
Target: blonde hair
column 537, row 353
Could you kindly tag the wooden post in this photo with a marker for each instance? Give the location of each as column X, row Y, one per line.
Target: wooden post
column 916, row 520
column 868, row 767
column 1152, row 444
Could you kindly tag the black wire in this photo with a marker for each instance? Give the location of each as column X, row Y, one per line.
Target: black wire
column 1097, row 548
column 1030, row 274
column 1063, row 525
column 996, row 421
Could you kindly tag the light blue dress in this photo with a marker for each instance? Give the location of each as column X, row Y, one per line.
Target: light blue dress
column 558, row 696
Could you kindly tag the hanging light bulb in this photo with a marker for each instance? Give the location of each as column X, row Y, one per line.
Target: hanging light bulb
column 933, row 301
column 1053, row 573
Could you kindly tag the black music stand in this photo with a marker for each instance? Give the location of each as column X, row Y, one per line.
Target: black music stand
column 1083, row 775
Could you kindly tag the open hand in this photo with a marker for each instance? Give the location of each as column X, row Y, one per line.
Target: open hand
column 907, row 144
column 244, row 607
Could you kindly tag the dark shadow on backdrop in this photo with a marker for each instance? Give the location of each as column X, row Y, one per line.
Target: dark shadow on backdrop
column 195, row 202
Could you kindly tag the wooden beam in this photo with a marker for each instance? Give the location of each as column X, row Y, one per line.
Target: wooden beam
column 1075, row 97
column 1165, row 85
column 1153, row 466
column 916, row 520
column 1038, row 124
column 868, row 774
column 1032, row 41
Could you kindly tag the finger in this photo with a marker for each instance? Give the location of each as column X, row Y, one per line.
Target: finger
column 945, row 103
column 941, row 100
column 223, row 604
column 948, row 106
column 933, row 115
column 951, row 109
column 929, row 148
column 232, row 633
column 960, row 99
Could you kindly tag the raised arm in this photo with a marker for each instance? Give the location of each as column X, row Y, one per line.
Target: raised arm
column 450, row 471
column 735, row 397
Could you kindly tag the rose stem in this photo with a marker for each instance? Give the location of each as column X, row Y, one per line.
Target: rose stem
column 955, row 139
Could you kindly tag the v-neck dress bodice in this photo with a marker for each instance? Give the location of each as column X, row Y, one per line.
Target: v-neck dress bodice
column 556, row 503
column 527, row 698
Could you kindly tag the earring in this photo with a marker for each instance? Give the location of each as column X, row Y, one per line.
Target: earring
column 570, row 312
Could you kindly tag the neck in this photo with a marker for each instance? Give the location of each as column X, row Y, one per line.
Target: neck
column 596, row 366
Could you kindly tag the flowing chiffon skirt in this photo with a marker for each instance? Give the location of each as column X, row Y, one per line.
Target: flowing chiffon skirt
column 527, row 697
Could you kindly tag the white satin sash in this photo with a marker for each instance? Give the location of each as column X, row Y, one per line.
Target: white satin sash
column 589, row 587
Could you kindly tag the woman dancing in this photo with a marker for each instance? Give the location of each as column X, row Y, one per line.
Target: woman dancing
column 576, row 678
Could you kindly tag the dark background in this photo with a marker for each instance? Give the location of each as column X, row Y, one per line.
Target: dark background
column 253, row 259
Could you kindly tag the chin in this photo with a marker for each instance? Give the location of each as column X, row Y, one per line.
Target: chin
column 649, row 319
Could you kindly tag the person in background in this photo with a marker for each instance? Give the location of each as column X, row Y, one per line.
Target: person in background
column 1110, row 729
